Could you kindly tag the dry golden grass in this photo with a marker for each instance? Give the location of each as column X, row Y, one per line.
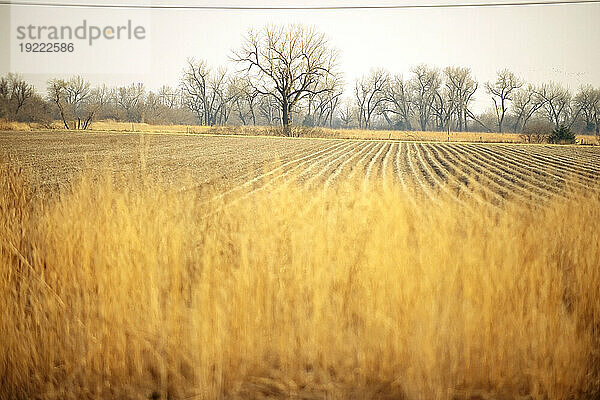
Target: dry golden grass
column 14, row 126
column 314, row 132
column 115, row 126
column 357, row 292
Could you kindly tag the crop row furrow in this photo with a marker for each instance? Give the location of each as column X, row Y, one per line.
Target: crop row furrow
column 576, row 157
column 250, row 177
column 590, row 159
column 552, row 176
column 316, row 165
column 375, row 162
column 359, row 168
column 440, row 174
column 493, row 186
column 434, row 186
column 328, row 169
column 388, row 164
column 265, row 178
column 418, row 183
column 555, row 160
column 400, row 170
column 459, row 175
column 592, row 154
column 347, row 164
column 563, row 163
column 302, row 171
column 510, row 170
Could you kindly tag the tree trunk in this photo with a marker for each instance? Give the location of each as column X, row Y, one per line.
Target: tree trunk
column 285, row 120
column 62, row 115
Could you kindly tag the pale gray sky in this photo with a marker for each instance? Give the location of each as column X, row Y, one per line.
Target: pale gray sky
column 540, row 43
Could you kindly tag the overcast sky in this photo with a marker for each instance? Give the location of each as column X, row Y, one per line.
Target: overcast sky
column 540, row 43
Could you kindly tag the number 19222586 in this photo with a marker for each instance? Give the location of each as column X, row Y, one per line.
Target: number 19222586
column 46, row 47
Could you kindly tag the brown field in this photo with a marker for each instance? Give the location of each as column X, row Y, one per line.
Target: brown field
column 458, row 171
column 220, row 267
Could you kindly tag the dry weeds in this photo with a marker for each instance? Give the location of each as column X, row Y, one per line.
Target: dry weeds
column 137, row 291
column 328, row 133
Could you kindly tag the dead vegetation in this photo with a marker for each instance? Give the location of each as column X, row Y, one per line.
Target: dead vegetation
column 297, row 131
column 135, row 290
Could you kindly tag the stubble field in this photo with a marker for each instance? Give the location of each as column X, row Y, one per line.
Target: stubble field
column 480, row 172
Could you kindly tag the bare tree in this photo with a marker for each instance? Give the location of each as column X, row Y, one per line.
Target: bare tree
column 321, row 107
column 56, row 94
column 331, row 103
column 398, row 99
column 96, row 100
column 168, row 97
column 424, row 84
column 526, row 102
column 220, row 100
column 370, row 96
column 14, row 93
column 194, row 87
column 502, row 91
column 588, row 101
column 444, row 105
column 269, row 109
column 463, row 86
column 288, row 63
column 228, row 93
column 154, row 110
column 130, row 100
column 76, row 101
column 557, row 103
column 244, row 99
column 346, row 113
column 70, row 97
column 204, row 92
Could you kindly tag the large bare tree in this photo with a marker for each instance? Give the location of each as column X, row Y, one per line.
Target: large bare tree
column 424, row 84
column 288, row 63
column 502, row 91
column 444, row 105
column 370, row 96
column 204, row 92
column 398, row 100
column 462, row 86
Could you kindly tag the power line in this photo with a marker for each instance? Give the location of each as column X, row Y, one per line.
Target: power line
column 300, row 8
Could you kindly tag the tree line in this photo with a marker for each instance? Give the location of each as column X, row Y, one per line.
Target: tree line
column 286, row 75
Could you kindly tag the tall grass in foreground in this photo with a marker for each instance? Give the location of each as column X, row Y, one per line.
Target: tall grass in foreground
column 135, row 292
